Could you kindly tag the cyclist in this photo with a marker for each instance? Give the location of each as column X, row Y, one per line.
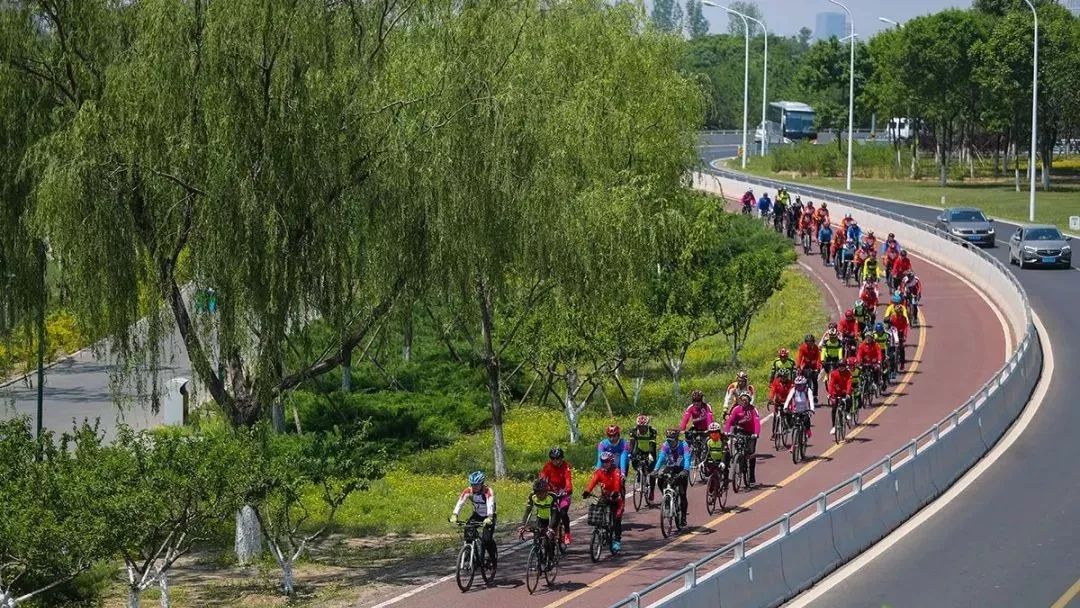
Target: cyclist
column 748, row 199
column 676, row 455
column 717, row 451
column 911, row 285
column 643, row 447
column 871, row 269
column 864, row 315
column 894, row 340
column 809, row 361
column 870, row 356
column 782, row 361
column 846, row 256
column 901, row 266
column 610, row 480
column 856, row 380
column 616, row 445
column 832, row 349
column 890, row 244
column 862, row 252
column 854, row 232
column 839, row 387
column 849, row 329
column 541, row 501
column 800, row 401
column 560, row 479
column 897, row 314
column 482, row 499
column 780, row 209
column 868, row 294
column 821, row 216
column 847, row 221
column 745, row 419
column 806, row 221
column 884, row 342
column 825, row 237
column 764, row 205
column 795, row 211
column 740, row 385
column 698, row 415
column 838, row 240
column 870, row 240
column 778, row 391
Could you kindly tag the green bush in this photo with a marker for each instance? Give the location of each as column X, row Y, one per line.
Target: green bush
column 870, row 160
column 62, row 337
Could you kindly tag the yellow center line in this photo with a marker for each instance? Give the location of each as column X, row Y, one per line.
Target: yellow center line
column 905, row 380
column 1069, row 596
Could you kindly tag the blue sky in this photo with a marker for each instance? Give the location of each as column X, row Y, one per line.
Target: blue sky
column 785, row 17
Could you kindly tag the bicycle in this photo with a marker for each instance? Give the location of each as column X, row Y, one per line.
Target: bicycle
column 602, row 518
column 716, row 489
column 470, row 557
column 670, row 505
column 740, row 469
column 641, row 480
column 543, row 558
column 698, row 453
column 800, row 424
column 746, row 209
column 781, row 427
column 823, row 249
column 558, row 513
column 913, row 310
column 806, row 244
column 839, row 417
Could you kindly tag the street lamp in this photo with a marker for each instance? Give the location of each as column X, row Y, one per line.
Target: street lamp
column 746, row 72
column 764, row 85
column 890, row 22
column 1034, row 110
column 851, row 91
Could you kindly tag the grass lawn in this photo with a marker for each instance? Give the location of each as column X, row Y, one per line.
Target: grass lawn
column 997, row 198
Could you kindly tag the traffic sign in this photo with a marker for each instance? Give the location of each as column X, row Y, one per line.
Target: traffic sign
column 1074, row 223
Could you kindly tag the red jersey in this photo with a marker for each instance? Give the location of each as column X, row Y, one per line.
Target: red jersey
column 900, row 266
column 558, row 478
column 609, row 480
column 847, row 327
column 839, row 384
column 869, row 297
column 779, row 389
column 809, row 355
column 869, row 352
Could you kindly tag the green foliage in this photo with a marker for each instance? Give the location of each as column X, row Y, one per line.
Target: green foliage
column 696, row 23
column 663, row 15
column 750, row 9
column 62, row 337
column 869, row 160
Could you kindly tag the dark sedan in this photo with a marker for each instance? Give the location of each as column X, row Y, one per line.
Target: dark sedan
column 1040, row 246
column 967, row 223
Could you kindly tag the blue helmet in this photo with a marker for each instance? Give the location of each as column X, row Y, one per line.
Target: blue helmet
column 896, row 298
column 879, row 327
column 476, row 478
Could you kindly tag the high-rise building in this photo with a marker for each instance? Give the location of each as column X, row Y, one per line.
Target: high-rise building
column 1072, row 5
column 828, row 25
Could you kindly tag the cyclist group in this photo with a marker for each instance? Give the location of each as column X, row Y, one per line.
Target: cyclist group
column 858, row 353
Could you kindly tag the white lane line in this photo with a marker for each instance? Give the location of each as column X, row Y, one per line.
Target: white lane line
column 969, row 478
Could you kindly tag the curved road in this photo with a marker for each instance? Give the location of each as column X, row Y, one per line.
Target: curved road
column 1011, row 538
column 962, row 327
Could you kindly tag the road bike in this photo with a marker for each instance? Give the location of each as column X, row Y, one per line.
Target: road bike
column 471, row 557
column 781, row 427
column 913, row 310
column 740, row 465
column 670, row 504
column 602, row 518
column 823, row 249
column 698, row 453
column 806, row 245
column 641, row 487
column 800, row 424
column 543, row 558
column 839, row 417
column 716, row 487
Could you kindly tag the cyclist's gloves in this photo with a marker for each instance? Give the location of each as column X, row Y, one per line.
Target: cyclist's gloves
column 453, row 519
column 488, row 521
column 586, row 494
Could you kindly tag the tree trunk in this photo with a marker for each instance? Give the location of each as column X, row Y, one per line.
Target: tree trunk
column 1016, row 167
column 674, row 365
column 133, row 597
column 277, row 415
column 407, row 335
column 163, row 586
column 1047, row 165
column 288, row 579
column 248, row 537
column 943, row 164
column 570, row 406
column 639, row 383
column 491, row 364
column 346, row 370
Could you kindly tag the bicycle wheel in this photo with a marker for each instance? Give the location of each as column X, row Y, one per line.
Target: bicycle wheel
column 712, row 489
column 532, row 569
column 787, row 433
column 551, row 568
column 639, row 488
column 559, row 532
column 854, row 414
column 667, row 516
column 465, row 568
column 776, row 429
column 487, row 570
column 838, row 423
column 596, row 544
column 736, row 477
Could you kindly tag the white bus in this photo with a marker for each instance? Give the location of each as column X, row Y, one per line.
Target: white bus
column 900, row 128
column 787, row 121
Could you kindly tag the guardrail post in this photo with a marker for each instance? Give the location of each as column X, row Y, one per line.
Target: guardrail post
column 635, row 600
column 822, row 503
column 857, row 483
column 937, row 433
column 690, row 576
column 785, row 525
column 913, row 448
column 740, row 548
column 887, row 464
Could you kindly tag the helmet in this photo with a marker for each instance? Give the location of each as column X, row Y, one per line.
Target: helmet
column 642, row 420
column 555, row 453
column 903, row 253
column 867, row 336
column 832, row 324
column 847, row 216
column 852, row 361
column 832, row 332
column 744, row 397
column 800, row 381
column 476, row 478
column 879, row 326
column 824, row 206
column 910, row 274
column 859, row 306
column 896, row 298
column 540, row 485
column 782, row 353
column 809, row 339
column 606, row 457
column 671, row 434
column 891, row 236
column 613, row 430
column 870, row 233
column 741, row 375
column 849, row 314
column 714, row 427
column 696, row 395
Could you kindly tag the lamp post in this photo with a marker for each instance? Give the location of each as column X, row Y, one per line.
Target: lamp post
column 851, row 90
column 746, row 72
column 764, row 85
column 890, row 22
column 1034, row 111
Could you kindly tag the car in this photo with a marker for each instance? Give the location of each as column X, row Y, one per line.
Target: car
column 968, row 224
column 1041, row 245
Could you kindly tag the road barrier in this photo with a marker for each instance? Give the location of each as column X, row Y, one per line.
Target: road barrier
column 781, row 559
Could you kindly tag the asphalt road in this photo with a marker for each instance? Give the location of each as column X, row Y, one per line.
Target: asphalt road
column 962, row 327
column 1011, row 538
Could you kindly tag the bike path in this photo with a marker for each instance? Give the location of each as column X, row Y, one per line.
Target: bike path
column 963, row 345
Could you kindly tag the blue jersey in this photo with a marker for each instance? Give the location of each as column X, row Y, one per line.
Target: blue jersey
column 847, row 252
column 764, row 203
column 825, row 234
column 854, row 233
column 621, row 450
column 667, row 452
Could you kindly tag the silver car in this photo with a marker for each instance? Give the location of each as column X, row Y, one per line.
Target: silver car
column 1042, row 245
column 967, row 223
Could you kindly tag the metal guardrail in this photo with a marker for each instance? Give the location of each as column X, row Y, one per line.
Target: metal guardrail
column 837, row 495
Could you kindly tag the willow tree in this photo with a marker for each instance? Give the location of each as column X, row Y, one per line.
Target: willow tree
column 235, row 146
column 553, row 104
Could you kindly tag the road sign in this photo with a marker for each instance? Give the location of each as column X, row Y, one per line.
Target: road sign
column 1074, row 223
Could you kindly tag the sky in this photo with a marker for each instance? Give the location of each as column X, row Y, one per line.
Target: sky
column 785, row 17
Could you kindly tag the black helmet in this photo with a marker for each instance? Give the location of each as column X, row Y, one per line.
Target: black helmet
column 555, row 453
column 540, row 485
column 809, row 338
column 671, row 434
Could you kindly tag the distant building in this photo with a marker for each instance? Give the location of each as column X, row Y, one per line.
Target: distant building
column 829, row 25
column 1072, row 5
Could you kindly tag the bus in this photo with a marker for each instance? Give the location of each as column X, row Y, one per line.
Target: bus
column 787, row 121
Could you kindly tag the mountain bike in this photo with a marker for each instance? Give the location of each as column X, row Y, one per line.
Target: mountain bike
column 716, row 487
column 698, row 453
column 543, row 558
column 740, row 466
column 670, row 504
column 641, row 488
column 602, row 518
column 800, row 424
column 839, row 418
column 781, row 427
column 806, row 245
column 470, row 556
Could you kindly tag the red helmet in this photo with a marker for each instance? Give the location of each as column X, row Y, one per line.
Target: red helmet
column 852, row 361
column 696, row 395
column 782, row 353
column 642, row 420
column 613, row 430
column 849, row 314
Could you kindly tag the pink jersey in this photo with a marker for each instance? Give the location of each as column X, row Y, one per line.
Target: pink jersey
column 701, row 416
column 746, row 419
